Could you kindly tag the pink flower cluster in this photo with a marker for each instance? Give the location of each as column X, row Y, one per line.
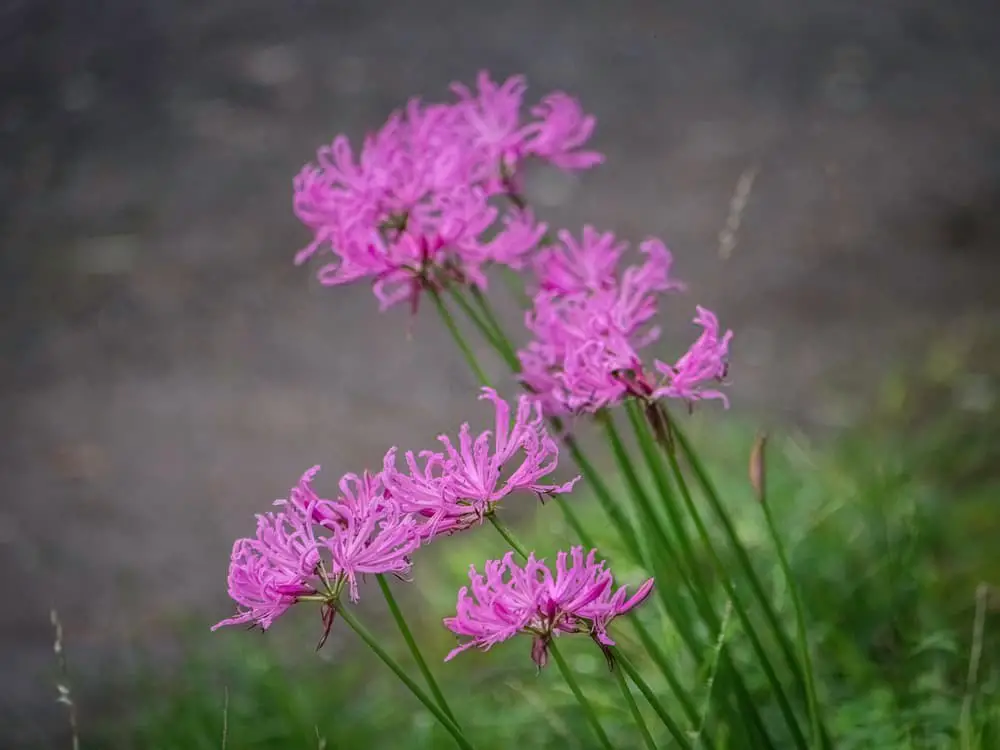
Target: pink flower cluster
column 315, row 547
column 509, row 599
column 413, row 207
column 456, row 489
column 589, row 322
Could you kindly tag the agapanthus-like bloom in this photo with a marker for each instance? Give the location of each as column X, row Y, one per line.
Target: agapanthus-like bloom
column 590, row 322
column 411, row 210
column 268, row 573
column 509, row 599
column 456, row 489
column 706, row 361
column 315, row 547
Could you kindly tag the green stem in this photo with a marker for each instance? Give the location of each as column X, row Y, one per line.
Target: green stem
column 509, row 354
column 452, row 326
column 481, row 324
column 708, row 488
column 800, row 624
column 372, row 643
column 650, row 696
column 514, row 285
column 634, row 709
column 664, row 544
column 574, row 686
column 567, row 674
column 611, row 509
column 411, row 643
column 508, row 536
column 779, row 690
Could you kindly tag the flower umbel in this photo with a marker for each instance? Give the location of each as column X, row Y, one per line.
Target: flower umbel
column 509, row 599
column 411, row 209
column 590, row 322
column 458, row 488
column 314, row 547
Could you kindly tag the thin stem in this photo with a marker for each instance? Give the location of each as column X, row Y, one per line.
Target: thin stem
column 634, row 709
column 508, row 536
column 574, row 686
column 511, row 281
column 708, row 488
column 481, row 324
column 411, row 643
column 611, row 509
column 494, row 322
column 382, row 654
column 452, row 326
column 800, row 622
column 654, row 525
column 650, row 696
column 564, row 669
column 741, row 612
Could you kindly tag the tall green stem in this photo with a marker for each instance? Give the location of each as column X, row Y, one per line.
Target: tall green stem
column 634, row 709
column 675, row 731
column 411, row 643
column 708, row 489
column 800, row 620
column 665, row 545
column 372, row 642
column 738, row 606
column 574, row 686
column 456, row 333
column 567, row 674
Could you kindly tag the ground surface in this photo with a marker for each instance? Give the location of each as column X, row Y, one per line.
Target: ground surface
column 166, row 372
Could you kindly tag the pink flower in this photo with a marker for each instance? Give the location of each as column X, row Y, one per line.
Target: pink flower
column 561, row 130
column 316, row 547
column 590, row 323
column 704, row 362
column 458, row 488
column 492, row 121
column 517, row 240
column 268, row 573
column 412, row 210
column 377, row 537
column 510, row 599
column 589, row 265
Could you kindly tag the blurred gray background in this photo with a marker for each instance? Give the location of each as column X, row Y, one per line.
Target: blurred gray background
column 166, row 372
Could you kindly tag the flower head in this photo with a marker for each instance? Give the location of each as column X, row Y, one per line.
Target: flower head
column 410, row 210
column 590, row 322
column 268, row 573
column 316, row 547
column 456, row 489
column 510, row 599
column 706, row 361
